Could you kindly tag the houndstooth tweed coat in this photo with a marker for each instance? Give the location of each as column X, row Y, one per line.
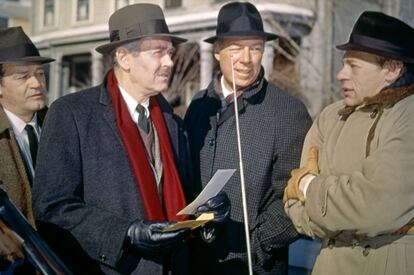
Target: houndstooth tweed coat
column 273, row 125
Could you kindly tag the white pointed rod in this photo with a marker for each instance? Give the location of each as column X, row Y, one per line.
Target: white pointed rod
column 242, row 183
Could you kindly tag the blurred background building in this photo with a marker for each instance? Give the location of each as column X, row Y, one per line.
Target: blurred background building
column 303, row 61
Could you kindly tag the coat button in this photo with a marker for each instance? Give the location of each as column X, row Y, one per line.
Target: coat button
column 331, row 243
column 366, row 250
column 102, row 258
column 211, row 142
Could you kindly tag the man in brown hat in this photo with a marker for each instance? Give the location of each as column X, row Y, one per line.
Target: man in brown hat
column 355, row 188
column 112, row 171
column 273, row 125
column 22, row 109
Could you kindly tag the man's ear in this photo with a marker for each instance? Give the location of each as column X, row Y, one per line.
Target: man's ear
column 394, row 68
column 217, row 49
column 123, row 58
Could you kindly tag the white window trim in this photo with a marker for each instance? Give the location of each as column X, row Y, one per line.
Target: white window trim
column 74, row 13
column 42, row 17
column 113, row 5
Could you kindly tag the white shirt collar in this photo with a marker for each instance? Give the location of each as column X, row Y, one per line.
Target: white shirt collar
column 18, row 124
column 224, row 89
column 132, row 104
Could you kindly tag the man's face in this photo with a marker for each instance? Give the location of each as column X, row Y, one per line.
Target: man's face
column 361, row 76
column 247, row 56
column 150, row 68
column 23, row 88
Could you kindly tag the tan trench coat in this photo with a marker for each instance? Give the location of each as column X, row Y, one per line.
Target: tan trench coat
column 12, row 170
column 365, row 190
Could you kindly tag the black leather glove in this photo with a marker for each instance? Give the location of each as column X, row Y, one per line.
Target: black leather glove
column 149, row 238
column 220, row 206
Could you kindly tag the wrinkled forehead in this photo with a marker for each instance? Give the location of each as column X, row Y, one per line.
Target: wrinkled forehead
column 154, row 42
column 9, row 69
column 361, row 57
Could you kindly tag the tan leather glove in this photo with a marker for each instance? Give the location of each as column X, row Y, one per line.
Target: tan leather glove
column 406, row 229
column 310, row 167
column 10, row 245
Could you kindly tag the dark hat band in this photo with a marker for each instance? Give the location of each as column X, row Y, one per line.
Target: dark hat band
column 379, row 44
column 18, row 51
column 156, row 26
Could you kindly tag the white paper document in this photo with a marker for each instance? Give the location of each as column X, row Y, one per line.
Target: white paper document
column 213, row 187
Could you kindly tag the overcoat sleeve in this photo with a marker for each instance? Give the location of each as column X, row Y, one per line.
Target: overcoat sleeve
column 273, row 229
column 374, row 200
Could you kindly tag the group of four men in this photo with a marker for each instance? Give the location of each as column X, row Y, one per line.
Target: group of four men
column 115, row 164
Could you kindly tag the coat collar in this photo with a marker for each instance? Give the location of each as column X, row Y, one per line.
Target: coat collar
column 384, row 99
column 5, row 124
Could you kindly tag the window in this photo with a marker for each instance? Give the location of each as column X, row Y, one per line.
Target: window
column 4, row 22
column 76, row 72
column 49, row 13
column 121, row 3
column 172, row 3
column 82, row 10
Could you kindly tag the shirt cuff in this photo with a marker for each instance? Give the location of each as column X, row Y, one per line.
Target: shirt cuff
column 304, row 183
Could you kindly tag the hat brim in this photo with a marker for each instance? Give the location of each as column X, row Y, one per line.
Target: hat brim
column 28, row 59
column 108, row 47
column 268, row 36
column 350, row 46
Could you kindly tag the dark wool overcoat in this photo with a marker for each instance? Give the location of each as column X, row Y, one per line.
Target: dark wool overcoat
column 85, row 195
column 273, row 125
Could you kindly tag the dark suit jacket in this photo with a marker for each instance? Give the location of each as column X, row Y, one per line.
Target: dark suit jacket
column 273, row 125
column 85, row 194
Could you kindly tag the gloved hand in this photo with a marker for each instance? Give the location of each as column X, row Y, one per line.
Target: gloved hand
column 149, row 238
column 220, row 206
column 10, row 246
column 310, row 167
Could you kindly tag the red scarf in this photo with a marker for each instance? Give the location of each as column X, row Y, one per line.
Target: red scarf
column 173, row 195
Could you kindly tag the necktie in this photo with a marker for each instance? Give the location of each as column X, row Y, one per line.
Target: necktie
column 32, row 142
column 143, row 121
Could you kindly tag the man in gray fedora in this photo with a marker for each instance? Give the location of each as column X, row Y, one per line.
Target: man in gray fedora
column 273, row 125
column 22, row 109
column 355, row 187
column 112, row 171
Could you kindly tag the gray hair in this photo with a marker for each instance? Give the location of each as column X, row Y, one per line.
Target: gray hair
column 132, row 47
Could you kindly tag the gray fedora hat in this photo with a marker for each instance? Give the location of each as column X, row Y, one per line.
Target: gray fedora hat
column 16, row 47
column 239, row 19
column 136, row 21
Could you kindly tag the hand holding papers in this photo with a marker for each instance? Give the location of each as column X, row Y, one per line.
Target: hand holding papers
column 213, row 187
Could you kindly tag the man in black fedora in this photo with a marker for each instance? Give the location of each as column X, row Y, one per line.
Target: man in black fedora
column 357, row 194
column 22, row 109
column 273, row 125
column 113, row 161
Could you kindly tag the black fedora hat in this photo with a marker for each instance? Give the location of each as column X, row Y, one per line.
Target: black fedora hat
column 136, row 21
column 16, row 47
column 239, row 19
column 383, row 35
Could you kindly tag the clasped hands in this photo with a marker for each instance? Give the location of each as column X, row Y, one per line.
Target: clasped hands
column 293, row 190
